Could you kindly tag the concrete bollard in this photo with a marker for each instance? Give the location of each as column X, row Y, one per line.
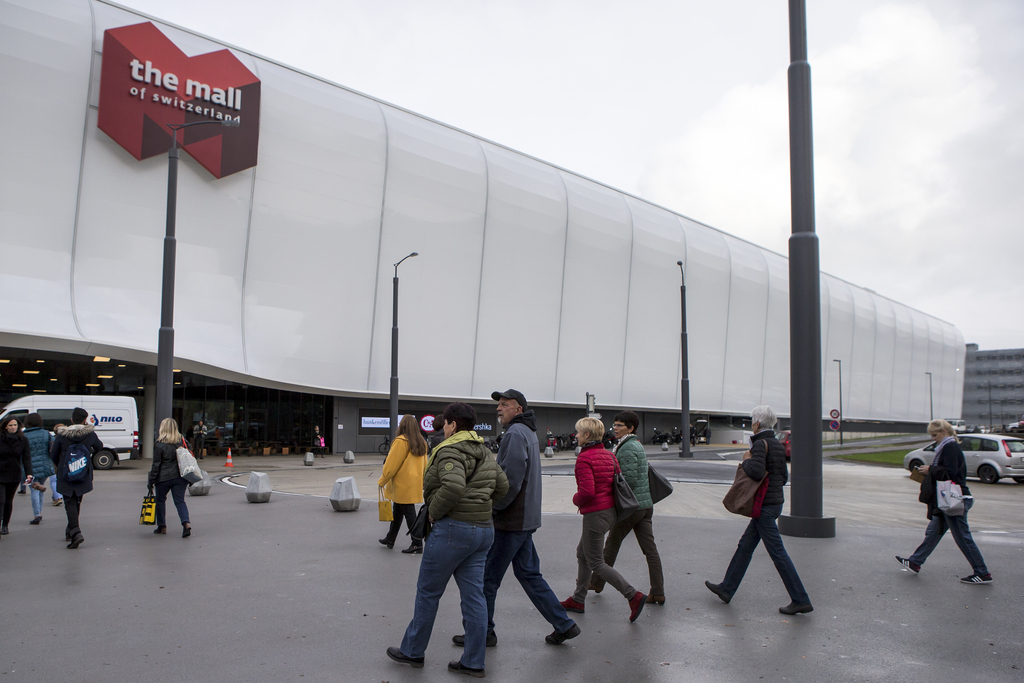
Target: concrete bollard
column 350, row 457
column 308, row 460
column 549, row 452
column 664, row 446
column 202, row 487
column 345, row 495
column 258, row 489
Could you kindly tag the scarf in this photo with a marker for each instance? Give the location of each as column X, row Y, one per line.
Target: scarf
column 938, row 449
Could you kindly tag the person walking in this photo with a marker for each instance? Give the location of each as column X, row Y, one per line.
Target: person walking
column 947, row 465
column 633, row 462
column 766, row 456
column 461, row 482
column 516, row 517
column 39, row 442
column 165, row 476
column 198, row 439
column 58, row 499
column 76, row 440
column 15, row 458
column 595, row 475
column 402, row 480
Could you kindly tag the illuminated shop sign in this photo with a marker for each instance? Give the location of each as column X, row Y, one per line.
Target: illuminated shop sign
column 146, row 82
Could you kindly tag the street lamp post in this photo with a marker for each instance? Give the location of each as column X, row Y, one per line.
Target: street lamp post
column 931, row 402
column 684, row 389
column 165, row 340
column 840, row 400
column 806, row 499
column 393, row 423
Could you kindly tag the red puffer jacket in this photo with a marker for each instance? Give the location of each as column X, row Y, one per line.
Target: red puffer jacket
column 595, row 471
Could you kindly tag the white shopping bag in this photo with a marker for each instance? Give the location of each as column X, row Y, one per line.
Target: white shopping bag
column 951, row 498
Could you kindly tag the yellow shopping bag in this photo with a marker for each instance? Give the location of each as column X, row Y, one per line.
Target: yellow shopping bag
column 384, row 506
column 148, row 514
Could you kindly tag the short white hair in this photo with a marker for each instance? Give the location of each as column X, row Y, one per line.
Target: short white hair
column 764, row 416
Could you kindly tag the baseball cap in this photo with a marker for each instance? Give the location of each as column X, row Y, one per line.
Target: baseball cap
column 510, row 393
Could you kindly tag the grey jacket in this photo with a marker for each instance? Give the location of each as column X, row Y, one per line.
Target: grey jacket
column 519, row 457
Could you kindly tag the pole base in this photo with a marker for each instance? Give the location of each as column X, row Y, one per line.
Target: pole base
column 807, row 527
column 685, row 454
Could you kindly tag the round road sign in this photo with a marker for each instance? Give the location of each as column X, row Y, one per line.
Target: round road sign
column 834, row 414
column 427, row 423
column 834, row 425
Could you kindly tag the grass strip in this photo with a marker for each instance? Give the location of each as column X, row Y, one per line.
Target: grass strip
column 892, row 458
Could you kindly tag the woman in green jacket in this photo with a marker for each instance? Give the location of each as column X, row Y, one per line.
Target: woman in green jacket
column 461, row 482
column 633, row 461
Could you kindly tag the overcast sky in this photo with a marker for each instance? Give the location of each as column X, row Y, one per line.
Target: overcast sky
column 918, row 115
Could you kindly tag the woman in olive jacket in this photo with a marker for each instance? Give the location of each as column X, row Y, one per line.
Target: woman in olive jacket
column 164, row 475
column 461, row 483
column 402, row 480
column 14, row 455
column 767, row 456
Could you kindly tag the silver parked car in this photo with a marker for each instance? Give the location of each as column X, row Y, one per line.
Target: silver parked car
column 988, row 456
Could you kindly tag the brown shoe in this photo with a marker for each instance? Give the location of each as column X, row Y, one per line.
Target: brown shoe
column 656, row 599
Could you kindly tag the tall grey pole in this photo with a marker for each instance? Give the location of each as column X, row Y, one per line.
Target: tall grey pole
column 684, row 389
column 805, row 518
column 393, row 412
column 165, row 340
column 840, row 401
column 931, row 404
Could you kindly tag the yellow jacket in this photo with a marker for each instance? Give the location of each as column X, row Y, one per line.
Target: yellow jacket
column 403, row 473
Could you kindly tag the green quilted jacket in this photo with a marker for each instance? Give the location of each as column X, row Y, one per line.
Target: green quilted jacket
column 633, row 461
column 447, row 489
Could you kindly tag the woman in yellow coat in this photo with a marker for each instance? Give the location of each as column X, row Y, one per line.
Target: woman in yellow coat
column 402, row 479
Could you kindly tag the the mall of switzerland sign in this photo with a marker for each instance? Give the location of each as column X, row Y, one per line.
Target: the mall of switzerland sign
column 146, row 82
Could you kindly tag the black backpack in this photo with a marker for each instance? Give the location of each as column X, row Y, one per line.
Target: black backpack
column 78, row 462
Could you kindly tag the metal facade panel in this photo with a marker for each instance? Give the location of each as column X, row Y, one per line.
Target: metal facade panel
column 521, row 278
column 885, row 350
column 903, row 357
column 434, row 203
column 595, row 294
column 316, row 206
column 747, row 327
column 775, row 385
column 861, row 372
column 652, row 356
column 918, row 406
column 707, row 312
column 45, row 53
column 840, row 346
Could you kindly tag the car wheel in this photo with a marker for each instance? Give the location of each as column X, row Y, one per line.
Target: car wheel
column 914, row 464
column 103, row 460
column 988, row 474
column 1019, row 480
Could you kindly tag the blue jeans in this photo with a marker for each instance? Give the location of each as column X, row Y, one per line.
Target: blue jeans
column 454, row 549
column 37, row 502
column 53, row 488
column 961, row 534
column 764, row 529
column 516, row 548
column 177, row 488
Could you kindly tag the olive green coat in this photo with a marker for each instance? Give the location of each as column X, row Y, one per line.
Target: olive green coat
column 446, row 489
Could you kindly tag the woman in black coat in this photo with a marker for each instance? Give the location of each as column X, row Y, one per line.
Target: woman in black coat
column 164, row 475
column 15, row 453
column 766, row 457
column 948, row 465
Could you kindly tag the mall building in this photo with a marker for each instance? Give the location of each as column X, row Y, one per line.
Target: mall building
column 289, row 223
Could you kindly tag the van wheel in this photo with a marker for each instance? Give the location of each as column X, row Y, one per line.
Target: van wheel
column 988, row 474
column 104, row 460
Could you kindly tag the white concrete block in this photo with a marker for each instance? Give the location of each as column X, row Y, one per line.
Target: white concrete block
column 345, row 495
column 258, row 489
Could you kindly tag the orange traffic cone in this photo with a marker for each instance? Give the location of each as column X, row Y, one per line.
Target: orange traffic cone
column 228, row 463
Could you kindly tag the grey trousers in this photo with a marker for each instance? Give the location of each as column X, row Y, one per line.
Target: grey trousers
column 640, row 524
column 590, row 556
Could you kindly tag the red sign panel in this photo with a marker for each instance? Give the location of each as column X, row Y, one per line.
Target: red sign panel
column 146, row 83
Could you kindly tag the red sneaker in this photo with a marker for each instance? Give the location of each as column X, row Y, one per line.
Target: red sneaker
column 636, row 605
column 571, row 605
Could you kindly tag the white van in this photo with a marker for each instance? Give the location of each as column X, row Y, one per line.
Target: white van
column 959, row 426
column 115, row 418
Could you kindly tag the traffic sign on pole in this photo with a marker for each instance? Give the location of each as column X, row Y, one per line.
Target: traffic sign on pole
column 834, row 425
column 835, row 414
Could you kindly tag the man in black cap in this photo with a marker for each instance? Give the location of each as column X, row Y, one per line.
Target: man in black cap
column 516, row 517
column 72, row 453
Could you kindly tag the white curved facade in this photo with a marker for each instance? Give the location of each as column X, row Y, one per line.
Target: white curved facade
column 551, row 282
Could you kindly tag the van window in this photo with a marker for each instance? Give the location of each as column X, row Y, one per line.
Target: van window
column 55, row 416
column 20, row 414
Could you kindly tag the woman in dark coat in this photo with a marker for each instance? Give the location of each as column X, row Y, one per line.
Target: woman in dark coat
column 766, row 457
column 164, row 475
column 948, row 465
column 14, row 455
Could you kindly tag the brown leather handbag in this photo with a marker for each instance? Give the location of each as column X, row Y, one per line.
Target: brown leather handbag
column 746, row 495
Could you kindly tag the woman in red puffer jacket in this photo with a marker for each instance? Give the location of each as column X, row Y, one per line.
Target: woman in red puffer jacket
column 595, row 474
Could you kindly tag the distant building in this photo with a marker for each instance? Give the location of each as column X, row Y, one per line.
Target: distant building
column 993, row 386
